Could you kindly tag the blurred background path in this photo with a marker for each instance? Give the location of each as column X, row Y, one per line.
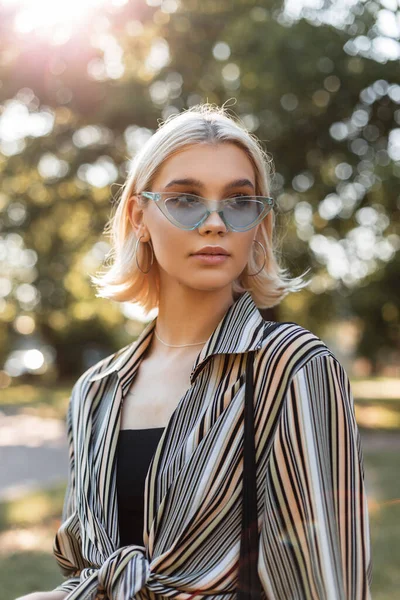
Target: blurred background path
column 33, row 453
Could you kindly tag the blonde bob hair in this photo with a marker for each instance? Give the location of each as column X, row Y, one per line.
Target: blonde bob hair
column 202, row 124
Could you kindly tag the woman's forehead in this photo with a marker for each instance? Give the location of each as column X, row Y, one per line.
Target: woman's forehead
column 206, row 164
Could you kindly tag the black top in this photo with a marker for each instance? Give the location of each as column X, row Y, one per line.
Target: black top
column 136, row 448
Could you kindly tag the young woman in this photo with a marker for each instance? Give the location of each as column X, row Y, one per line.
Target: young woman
column 154, row 499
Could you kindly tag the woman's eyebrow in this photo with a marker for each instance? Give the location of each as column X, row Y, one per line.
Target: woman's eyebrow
column 199, row 184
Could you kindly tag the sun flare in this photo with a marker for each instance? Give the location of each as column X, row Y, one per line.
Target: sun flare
column 54, row 19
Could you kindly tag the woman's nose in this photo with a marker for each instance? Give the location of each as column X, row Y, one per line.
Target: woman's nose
column 213, row 221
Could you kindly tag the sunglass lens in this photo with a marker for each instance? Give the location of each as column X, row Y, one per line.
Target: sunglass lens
column 243, row 212
column 186, row 210
column 240, row 213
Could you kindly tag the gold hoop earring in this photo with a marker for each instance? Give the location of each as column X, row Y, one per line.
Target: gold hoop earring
column 152, row 256
column 265, row 259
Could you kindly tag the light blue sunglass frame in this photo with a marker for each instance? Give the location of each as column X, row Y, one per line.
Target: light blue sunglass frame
column 212, row 206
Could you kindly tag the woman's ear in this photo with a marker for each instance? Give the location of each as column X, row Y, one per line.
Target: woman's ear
column 135, row 214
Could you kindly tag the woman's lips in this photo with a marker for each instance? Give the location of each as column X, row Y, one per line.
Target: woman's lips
column 211, row 259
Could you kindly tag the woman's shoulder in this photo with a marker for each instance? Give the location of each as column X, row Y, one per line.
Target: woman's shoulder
column 290, row 344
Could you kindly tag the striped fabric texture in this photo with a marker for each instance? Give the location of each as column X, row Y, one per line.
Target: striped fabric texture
column 312, row 507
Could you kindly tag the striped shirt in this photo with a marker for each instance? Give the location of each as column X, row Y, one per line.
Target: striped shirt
column 312, row 507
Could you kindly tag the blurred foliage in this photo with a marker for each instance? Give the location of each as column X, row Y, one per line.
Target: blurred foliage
column 43, row 401
column 322, row 97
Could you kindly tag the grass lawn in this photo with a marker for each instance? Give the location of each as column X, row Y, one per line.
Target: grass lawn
column 27, row 528
column 383, row 489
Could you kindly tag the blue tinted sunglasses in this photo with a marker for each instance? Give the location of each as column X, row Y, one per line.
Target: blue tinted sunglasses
column 188, row 211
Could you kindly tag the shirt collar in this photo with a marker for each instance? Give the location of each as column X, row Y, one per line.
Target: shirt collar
column 240, row 330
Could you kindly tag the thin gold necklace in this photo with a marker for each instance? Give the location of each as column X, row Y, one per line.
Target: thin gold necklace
column 177, row 345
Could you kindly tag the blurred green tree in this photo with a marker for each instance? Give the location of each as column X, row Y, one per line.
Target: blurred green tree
column 320, row 88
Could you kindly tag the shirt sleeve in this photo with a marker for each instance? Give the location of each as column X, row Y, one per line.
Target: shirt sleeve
column 67, row 541
column 314, row 541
